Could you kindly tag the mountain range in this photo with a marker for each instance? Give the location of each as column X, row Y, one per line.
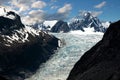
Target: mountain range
column 82, row 22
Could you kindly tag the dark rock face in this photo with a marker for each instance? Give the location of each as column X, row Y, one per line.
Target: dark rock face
column 60, row 26
column 102, row 61
column 87, row 21
column 22, row 60
column 19, row 58
column 2, row 78
column 7, row 25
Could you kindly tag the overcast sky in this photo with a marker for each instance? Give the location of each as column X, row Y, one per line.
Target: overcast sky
column 33, row 11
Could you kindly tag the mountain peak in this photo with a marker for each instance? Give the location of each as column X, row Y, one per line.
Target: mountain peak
column 87, row 20
column 8, row 25
column 60, row 26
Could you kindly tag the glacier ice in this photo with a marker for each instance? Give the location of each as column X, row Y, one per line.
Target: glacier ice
column 60, row 64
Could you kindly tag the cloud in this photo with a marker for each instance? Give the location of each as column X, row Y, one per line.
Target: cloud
column 2, row 1
column 28, row 20
column 96, row 13
column 100, row 5
column 38, row 16
column 93, row 13
column 36, row 13
column 39, row 4
column 23, row 8
column 65, row 9
column 54, row 7
column 34, row 16
column 27, row 2
column 61, row 14
column 55, row 16
column 21, row 5
column 31, row 11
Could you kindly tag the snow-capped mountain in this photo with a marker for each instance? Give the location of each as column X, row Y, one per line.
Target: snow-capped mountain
column 87, row 20
column 45, row 26
column 22, row 48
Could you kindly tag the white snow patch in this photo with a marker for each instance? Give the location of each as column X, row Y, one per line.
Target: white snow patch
column 2, row 13
column 59, row 43
column 21, row 35
column 79, row 32
column 89, row 30
column 106, row 24
column 7, row 45
column 50, row 23
column 31, row 30
column 10, row 17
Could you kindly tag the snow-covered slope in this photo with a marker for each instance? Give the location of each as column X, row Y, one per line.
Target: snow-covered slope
column 20, row 36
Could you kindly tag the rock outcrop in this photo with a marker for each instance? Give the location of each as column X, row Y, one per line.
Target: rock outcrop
column 102, row 61
column 60, row 26
column 7, row 25
column 22, row 48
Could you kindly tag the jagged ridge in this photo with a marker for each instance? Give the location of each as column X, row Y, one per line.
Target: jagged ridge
column 87, row 21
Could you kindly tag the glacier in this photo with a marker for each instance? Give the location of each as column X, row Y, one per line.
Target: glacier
column 74, row 45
